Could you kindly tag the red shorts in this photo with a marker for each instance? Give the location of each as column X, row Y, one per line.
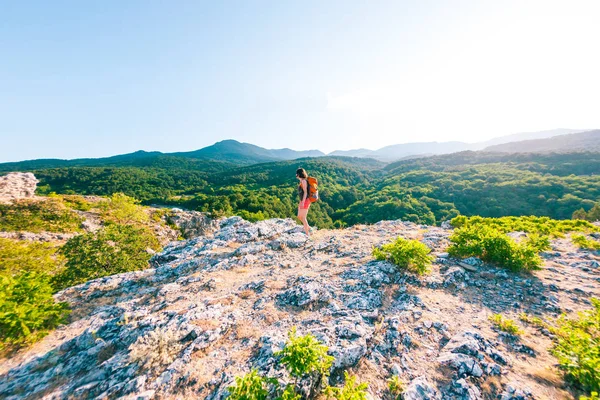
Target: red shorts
column 304, row 205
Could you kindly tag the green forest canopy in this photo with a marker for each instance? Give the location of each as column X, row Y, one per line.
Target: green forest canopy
column 353, row 190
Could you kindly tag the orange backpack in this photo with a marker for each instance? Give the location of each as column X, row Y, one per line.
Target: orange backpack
column 313, row 189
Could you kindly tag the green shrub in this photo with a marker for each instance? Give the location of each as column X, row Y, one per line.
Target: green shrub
column 289, row 394
column 535, row 321
column 27, row 308
column 304, row 355
column 578, row 347
column 530, row 224
column 396, row 386
column 505, row 324
column 410, row 254
column 538, row 242
column 592, row 396
column 111, row 250
column 22, row 256
column 251, row 387
column 36, row 216
column 494, row 246
column 74, row 202
column 122, row 209
column 585, row 242
column 350, row 391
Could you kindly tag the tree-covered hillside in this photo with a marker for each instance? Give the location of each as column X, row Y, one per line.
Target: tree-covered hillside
column 353, row 190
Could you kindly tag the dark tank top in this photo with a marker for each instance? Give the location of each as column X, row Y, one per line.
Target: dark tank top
column 300, row 191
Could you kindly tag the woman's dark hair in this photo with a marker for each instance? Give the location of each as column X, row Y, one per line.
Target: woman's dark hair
column 301, row 173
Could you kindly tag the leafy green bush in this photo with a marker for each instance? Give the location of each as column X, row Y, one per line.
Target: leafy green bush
column 494, row 246
column 289, row 394
column 535, row 321
column 505, row 324
column 304, row 355
column 122, row 209
column 27, row 308
column 578, row 347
column 585, row 242
column 28, row 215
column 111, row 250
column 251, row 387
column 396, row 386
column 592, row 396
column 17, row 256
column 531, row 224
column 350, row 391
column 410, row 254
column 74, row 202
column 538, row 242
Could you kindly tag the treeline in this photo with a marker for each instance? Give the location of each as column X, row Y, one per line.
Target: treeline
column 356, row 190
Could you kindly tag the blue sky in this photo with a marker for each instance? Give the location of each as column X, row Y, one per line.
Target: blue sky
column 90, row 79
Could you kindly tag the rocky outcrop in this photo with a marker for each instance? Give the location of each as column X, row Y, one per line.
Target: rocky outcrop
column 17, row 185
column 212, row 307
column 192, row 224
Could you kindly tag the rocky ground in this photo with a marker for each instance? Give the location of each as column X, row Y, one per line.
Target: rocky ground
column 215, row 306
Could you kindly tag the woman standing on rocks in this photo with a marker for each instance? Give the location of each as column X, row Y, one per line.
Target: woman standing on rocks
column 304, row 200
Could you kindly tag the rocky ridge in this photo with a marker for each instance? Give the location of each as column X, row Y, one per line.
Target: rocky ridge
column 17, row 185
column 212, row 307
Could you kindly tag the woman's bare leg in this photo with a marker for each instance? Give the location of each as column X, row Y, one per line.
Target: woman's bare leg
column 302, row 212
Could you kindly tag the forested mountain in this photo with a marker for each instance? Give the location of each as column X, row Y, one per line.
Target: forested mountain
column 245, row 153
column 353, row 190
column 223, row 154
column 228, row 153
column 584, row 141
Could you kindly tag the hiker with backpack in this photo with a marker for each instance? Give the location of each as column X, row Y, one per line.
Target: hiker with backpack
column 308, row 194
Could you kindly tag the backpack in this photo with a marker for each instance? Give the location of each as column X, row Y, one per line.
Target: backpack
column 313, row 189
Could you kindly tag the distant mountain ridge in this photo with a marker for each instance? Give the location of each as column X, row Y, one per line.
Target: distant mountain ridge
column 221, row 154
column 574, row 142
column 398, row 151
column 228, row 153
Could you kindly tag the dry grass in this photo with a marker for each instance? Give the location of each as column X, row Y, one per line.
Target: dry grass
column 247, row 331
column 491, row 387
column 270, row 314
column 206, row 324
column 224, row 301
column 276, row 285
column 246, row 294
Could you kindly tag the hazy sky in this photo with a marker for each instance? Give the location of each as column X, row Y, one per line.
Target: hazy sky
column 98, row 78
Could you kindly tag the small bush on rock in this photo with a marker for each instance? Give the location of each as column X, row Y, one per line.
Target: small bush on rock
column 303, row 355
column 251, row 387
column 592, row 396
column 530, row 224
column 350, row 391
column 112, row 250
column 585, row 242
column 410, row 254
column 396, row 386
column 578, row 347
column 505, row 324
column 27, row 308
column 122, row 209
column 289, row 394
column 494, row 246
